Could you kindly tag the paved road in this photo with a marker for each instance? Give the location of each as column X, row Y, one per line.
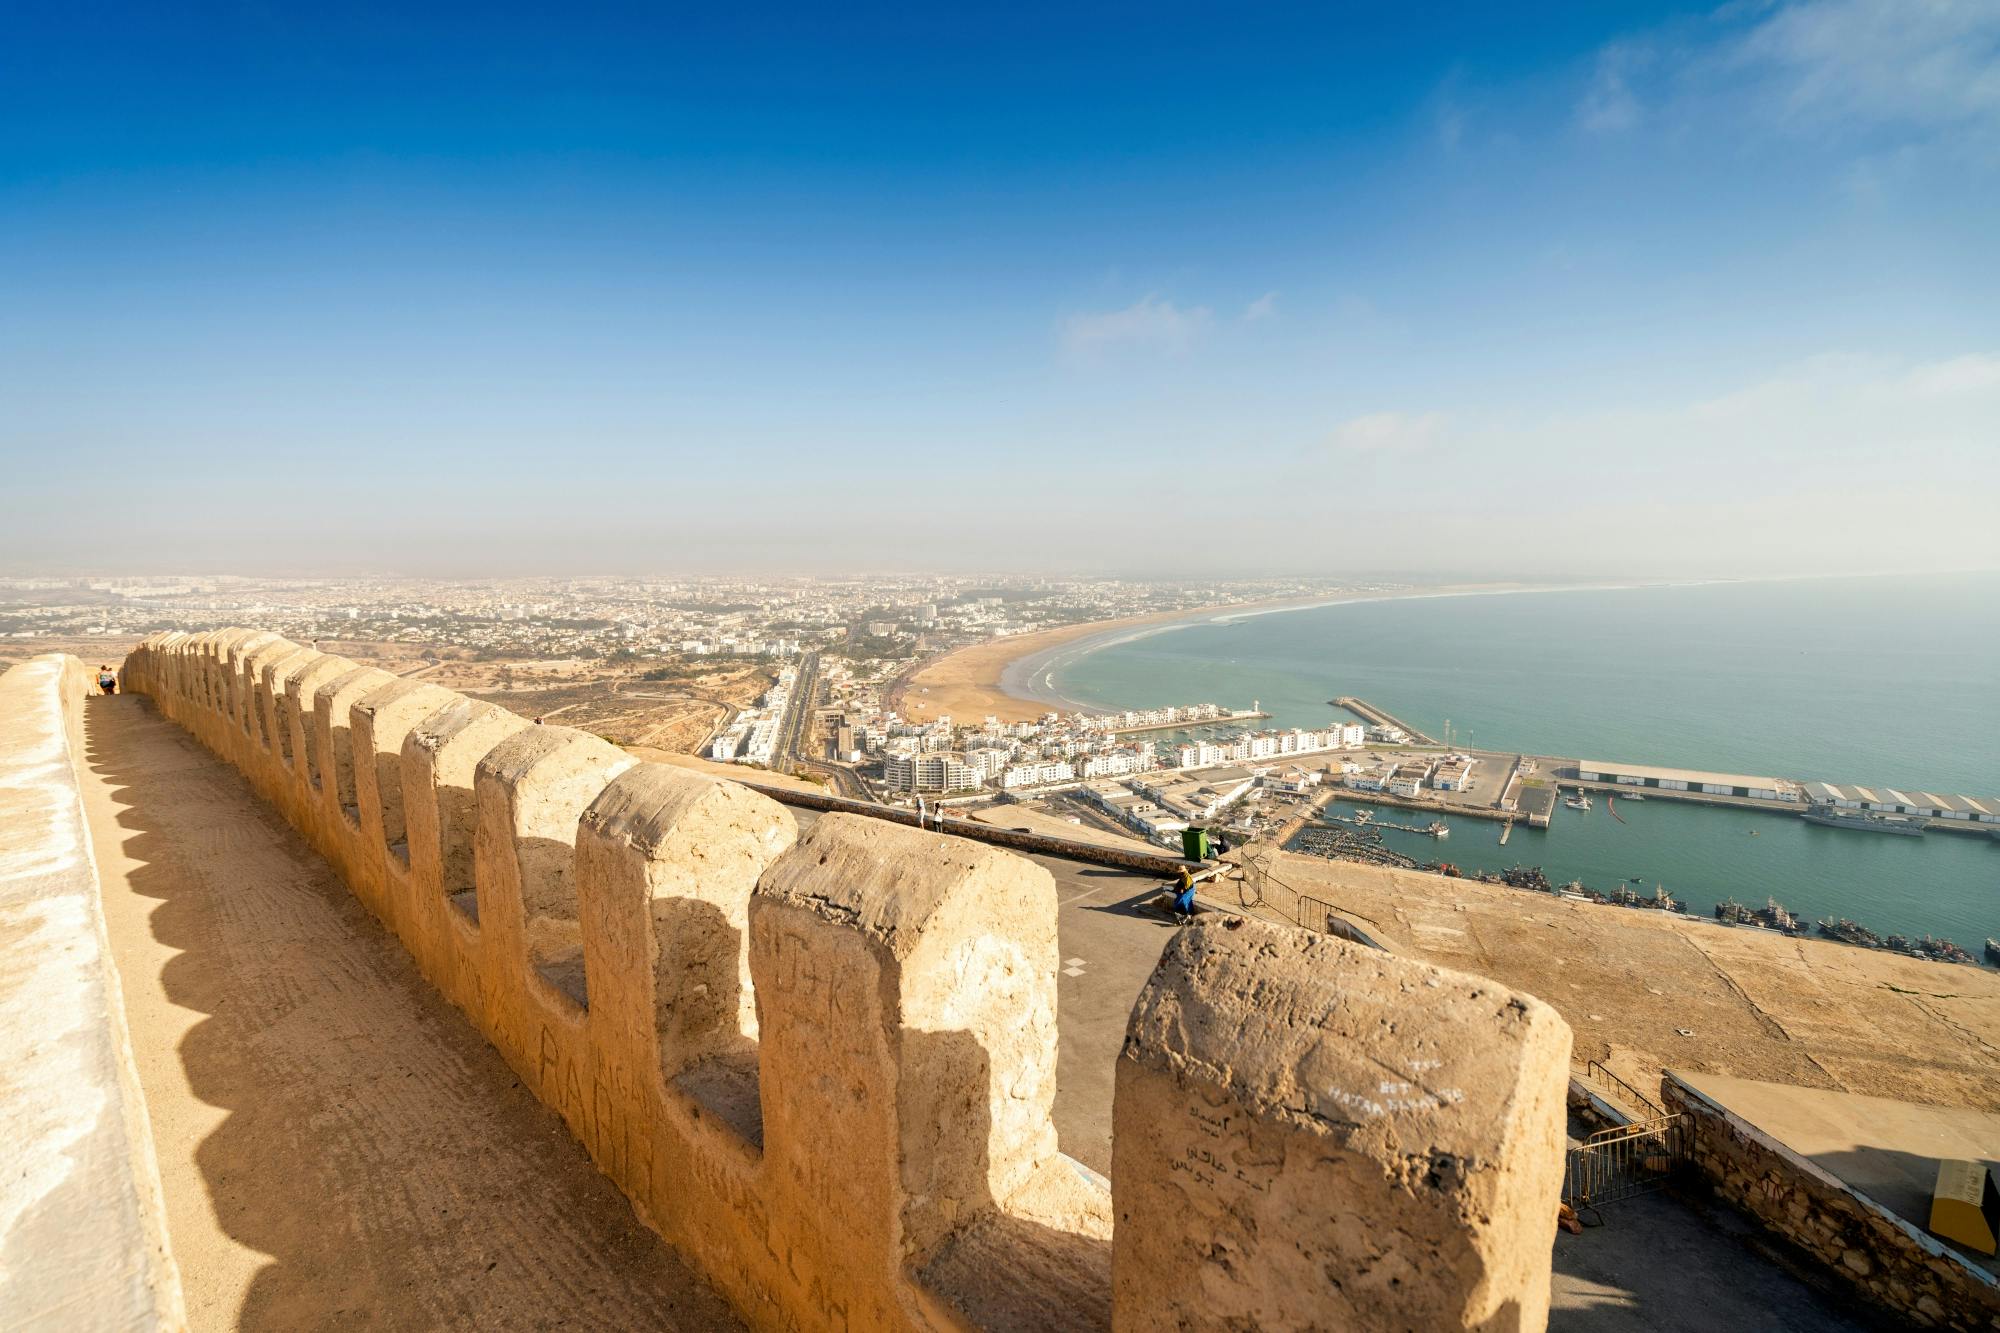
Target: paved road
column 799, row 708
column 338, row 1146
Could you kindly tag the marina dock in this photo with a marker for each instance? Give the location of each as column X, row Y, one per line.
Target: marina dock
column 1231, row 720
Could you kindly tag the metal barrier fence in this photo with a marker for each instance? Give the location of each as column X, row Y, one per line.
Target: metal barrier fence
column 1616, row 1164
column 1593, row 1072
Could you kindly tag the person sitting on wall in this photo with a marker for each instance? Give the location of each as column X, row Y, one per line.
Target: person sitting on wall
column 1184, row 899
column 107, row 680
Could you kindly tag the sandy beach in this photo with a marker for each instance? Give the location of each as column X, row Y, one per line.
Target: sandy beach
column 985, row 679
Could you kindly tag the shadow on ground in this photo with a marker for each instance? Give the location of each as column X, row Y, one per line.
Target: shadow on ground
column 339, row 1146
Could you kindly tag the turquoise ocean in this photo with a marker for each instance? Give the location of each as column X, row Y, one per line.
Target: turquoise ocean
column 1873, row 681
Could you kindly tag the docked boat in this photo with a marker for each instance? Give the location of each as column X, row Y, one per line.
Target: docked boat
column 1867, row 821
column 1579, row 801
column 1658, row 900
column 1941, row 950
column 1771, row 916
column 1850, row 932
column 1774, row 916
column 1992, row 950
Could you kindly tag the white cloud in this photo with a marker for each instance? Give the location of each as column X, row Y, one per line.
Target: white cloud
column 1149, row 323
column 1922, row 69
column 1263, row 307
column 1608, row 104
column 1927, row 64
column 1388, row 432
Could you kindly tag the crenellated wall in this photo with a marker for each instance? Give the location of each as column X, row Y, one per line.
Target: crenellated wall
column 822, row 1067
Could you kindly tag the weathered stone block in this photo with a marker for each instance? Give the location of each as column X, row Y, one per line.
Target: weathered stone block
column 905, row 989
column 300, row 698
column 531, row 789
column 1308, row 1133
column 333, row 703
column 667, row 861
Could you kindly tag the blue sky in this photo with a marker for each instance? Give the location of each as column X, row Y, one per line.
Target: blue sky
column 1158, row 288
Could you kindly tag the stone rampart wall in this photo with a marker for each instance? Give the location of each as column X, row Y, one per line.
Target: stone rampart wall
column 83, row 1231
column 822, row 1067
column 1888, row 1261
column 1135, row 858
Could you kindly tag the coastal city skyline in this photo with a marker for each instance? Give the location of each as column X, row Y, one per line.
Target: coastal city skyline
column 1692, row 290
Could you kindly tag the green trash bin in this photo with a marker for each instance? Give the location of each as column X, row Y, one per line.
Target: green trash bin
column 1194, row 844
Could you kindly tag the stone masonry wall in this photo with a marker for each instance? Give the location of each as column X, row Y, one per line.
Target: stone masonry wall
column 1884, row 1258
column 822, row 1067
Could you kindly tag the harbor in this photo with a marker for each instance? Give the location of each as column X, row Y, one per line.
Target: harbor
column 1834, row 805
column 1356, row 817
column 1553, row 685
column 1345, row 819
column 1533, row 782
column 1593, row 858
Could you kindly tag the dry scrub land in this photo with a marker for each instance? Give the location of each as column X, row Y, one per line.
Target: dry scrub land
column 1645, row 990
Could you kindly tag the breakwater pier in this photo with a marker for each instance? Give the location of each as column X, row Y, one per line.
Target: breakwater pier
column 1979, row 815
column 1369, row 713
column 1531, row 784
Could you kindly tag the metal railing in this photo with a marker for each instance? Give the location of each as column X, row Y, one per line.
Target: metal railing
column 1616, row 1164
column 1593, row 1072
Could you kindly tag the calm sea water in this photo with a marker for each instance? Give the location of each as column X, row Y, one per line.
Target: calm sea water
column 1869, row 681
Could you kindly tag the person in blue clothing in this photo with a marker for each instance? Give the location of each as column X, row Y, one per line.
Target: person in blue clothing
column 1184, row 899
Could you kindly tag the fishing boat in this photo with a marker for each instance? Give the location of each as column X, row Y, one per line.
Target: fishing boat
column 1635, row 796
column 1658, row 900
column 1579, row 801
column 1941, row 951
column 1437, row 828
column 1992, row 950
column 1850, row 932
column 1773, row 915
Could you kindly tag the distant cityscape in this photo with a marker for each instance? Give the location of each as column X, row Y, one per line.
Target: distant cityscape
column 801, row 676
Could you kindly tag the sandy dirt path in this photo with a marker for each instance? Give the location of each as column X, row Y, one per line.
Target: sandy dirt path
column 338, row 1146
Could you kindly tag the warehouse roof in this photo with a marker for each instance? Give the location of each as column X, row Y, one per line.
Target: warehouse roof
column 1679, row 774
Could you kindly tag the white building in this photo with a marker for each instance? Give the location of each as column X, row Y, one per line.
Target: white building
column 1038, row 773
column 1407, row 778
column 938, row 771
column 1454, row 774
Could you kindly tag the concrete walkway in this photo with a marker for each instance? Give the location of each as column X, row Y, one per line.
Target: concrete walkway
column 338, row 1146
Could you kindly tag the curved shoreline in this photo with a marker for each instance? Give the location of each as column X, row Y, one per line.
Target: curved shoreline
column 1013, row 678
column 1006, row 677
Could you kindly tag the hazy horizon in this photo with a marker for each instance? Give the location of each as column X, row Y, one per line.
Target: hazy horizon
column 1632, row 291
